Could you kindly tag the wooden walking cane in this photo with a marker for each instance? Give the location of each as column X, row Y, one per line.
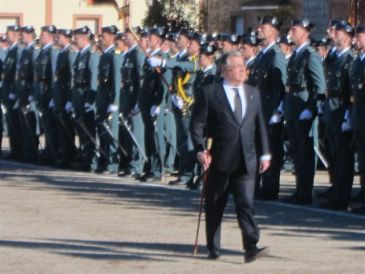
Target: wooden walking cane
column 205, row 180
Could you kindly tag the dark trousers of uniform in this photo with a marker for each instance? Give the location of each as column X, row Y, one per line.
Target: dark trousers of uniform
column 271, row 178
column 49, row 125
column 108, row 132
column 325, row 149
column 137, row 128
column 28, row 133
column 360, row 146
column 66, row 133
column 187, row 157
column 340, row 144
column 170, row 136
column 1, row 130
column 12, row 119
column 85, row 127
column 301, row 144
column 154, row 143
column 242, row 187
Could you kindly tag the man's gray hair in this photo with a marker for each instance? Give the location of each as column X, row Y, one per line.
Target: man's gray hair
column 228, row 55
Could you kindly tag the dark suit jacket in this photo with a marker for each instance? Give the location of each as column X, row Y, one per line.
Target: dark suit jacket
column 213, row 113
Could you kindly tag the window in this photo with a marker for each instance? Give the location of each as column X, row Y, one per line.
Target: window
column 94, row 22
column 7, row 19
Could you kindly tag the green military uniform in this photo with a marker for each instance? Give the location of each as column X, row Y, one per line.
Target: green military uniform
column 9, row 97
column 24, row 89
column 83, row 98
column 340, row 141
column 150, row 99
column 106, row 110
column 268, row 75
column 358, row 116
column 184, row 70
column 62, row 97
column 305, row 84
column 43, row 84
column 132, row 78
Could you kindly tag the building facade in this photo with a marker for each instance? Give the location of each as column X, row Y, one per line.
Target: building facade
column 72, row 13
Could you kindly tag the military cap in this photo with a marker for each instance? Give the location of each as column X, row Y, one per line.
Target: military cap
column 360, row 28
column 304, row 23
column 171, row 36
column 285, row 39
column 13, row 28
column 50, row 29
column 120, row 36
column 184, row 32
column 27, row 29
column 83, row 30
column 207, row 49
column 212, row 37
column 110, row 29
column 142, row 32
column 333, row 23
column 158, row 31
column 194, row 36
column 65, row 32
column 346, row 27
column 321, row 42
column 271, row 20
column 231, row 38
column 250, row 39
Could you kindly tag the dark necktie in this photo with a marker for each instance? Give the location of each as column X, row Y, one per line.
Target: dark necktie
column 237, row 105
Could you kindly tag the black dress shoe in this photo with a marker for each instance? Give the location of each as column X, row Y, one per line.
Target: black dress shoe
column 359, row 210
column 213, row 254
column 333, row 206
column 131, row 174
column 326, row 193
column 295, row 200
column 150, row 178
column 177, row 182
column 266, row 196
column 360, row 197
column 252, row 254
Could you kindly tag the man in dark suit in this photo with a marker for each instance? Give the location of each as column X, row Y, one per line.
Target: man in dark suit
column 230, row 113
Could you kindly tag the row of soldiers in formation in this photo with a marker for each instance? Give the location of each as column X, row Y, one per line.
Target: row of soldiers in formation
column 129, row 96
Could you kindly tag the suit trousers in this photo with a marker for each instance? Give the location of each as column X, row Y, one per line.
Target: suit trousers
column 242, row 187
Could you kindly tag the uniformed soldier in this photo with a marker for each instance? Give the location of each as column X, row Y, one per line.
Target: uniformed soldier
column 107, row 105
column 269, row 76
column 43, row 96
column 152, row 106
column 305, row 85
column 121, row 50
column 4, row 45
column 337, row 118
column 358, row 111
column 132, row 78
column 249, row 49
column 62, row 98
column 207, row 75
column 227, row 42
column 184, row 70
column 169, row 51
column 84, row 87
column 24, row 92
column 286, row 46
column 8, row 91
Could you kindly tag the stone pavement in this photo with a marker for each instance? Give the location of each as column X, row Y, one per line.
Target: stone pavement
column 54, row 221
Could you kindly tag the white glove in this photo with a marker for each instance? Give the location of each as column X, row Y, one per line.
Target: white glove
column 30, row 98
column 346, row 126
column 280, row 108
column 51, row 103
column 112, row 108
column 155, row 110
column 11, row 96
column 305, row 115
column 177, row 101
column 347, row 115
column 320, row 109
column 154, row 62
column 88, row 107
column 275, row 119
column 135, row 110
column 68, row 107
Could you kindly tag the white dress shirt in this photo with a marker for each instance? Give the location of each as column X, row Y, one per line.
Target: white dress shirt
column 230, row 93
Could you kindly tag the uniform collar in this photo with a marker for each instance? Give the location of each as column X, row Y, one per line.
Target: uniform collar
column 85, row 49
column 300, row 48
column 362, row 56
column 250, row 60
column 30, row 45
column 132, row 47
column 13, row 46
column 109, row 48
column 207, row 68
column 153, row 53
column 182, row 53
column 342, row 52
column 47, row 46
column 66, row 47
column 264, row 50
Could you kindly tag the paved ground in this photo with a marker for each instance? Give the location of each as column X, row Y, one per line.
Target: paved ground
column 54, row 221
